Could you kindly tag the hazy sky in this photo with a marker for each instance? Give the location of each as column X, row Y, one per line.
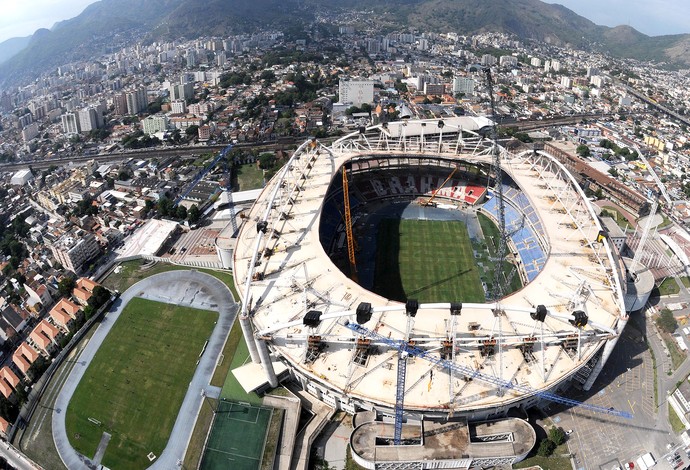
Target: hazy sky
column 22, row 17
column 652, row 17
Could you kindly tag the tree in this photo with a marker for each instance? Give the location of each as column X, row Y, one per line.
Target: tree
column 556, row 435
column 266, row 161
column 546, row 448
column 192, row 130
column 165, row 207
column 66, row 286
column 667, row 321
column 583, row 150
column 181, row 212
column 99, row 296
column 193, row 214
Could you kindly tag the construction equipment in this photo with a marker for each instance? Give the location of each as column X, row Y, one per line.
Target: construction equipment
column 497, row 288
column 429, row 201
column 405, row 349
column 348, row 228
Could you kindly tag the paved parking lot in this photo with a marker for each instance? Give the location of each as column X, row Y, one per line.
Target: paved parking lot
column 627, row 384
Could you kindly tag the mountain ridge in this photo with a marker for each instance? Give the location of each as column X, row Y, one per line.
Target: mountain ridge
column 108, row 24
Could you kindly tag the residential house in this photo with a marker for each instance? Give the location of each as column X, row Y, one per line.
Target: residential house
column 84, row 289
column 8, row 382
column 64, row 313
column 44, row 337
column 24, row 356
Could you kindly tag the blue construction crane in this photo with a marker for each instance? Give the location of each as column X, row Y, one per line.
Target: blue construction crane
column 201, row 175
column 405, row 349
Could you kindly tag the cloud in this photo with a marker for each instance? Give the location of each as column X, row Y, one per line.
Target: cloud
column 23, row 17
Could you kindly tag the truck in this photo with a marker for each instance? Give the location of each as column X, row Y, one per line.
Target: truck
column 646, row 461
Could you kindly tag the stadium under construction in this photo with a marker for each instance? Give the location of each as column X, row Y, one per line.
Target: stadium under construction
column 416, row 372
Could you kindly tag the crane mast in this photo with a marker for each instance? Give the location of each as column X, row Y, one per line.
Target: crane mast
column 497, row 288
column 348, row 228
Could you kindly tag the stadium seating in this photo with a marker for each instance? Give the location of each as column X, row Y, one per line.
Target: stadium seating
column 522, row 225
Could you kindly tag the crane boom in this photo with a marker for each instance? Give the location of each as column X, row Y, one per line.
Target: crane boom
column 470, row 373
column 348, row 227
column 433, row 195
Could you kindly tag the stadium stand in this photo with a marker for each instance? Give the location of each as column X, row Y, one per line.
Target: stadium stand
column 522, row 225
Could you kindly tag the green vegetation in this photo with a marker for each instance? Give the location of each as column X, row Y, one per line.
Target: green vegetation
column 223, row 367
column 609, row 211
column 272, row 439
column 686, row 281
column 431, row 261
column 131, row 371
column 674, row 420
column 247, row 176
column 618, row 151
column 232, row 390
column 554, row 462
column 677, row 356
column 666, row 321
column 350, row 464
column 669, row 286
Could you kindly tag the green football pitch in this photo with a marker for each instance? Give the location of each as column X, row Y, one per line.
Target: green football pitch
column 237, row 438
column 427, row 260
column 135, row 385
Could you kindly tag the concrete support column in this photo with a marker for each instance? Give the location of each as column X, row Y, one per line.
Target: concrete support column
column 248, row 334
column 608, row 349
column 266, row 362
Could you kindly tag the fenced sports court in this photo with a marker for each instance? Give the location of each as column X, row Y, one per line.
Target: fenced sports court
column 237, row 438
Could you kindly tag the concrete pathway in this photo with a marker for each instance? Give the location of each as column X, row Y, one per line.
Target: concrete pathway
column 187, row 288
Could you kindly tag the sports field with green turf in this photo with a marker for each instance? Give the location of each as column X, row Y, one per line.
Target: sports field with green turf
column 137, row 381
column 427, row 260
column 238, row 437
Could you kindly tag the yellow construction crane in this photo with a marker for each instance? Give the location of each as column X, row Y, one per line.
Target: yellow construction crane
column 348, row 228
column 429, row 201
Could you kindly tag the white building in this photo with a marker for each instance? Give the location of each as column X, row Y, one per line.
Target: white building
column 566, row 82
column 136, row 101
column 21, row 177
column 88, row 119
column 356, row 92
column 29, row 132
column 155, row 123
column 507, row 61
column 70, row 123
column 463, row 85
column 74, row 249
column 178, row 107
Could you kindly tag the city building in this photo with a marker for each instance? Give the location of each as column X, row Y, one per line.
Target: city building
column 24, row 356
column 464, row 85
column 155, row 123
column 74, row 249
column 356, row 92
column 70, row 123
column 137, row 101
